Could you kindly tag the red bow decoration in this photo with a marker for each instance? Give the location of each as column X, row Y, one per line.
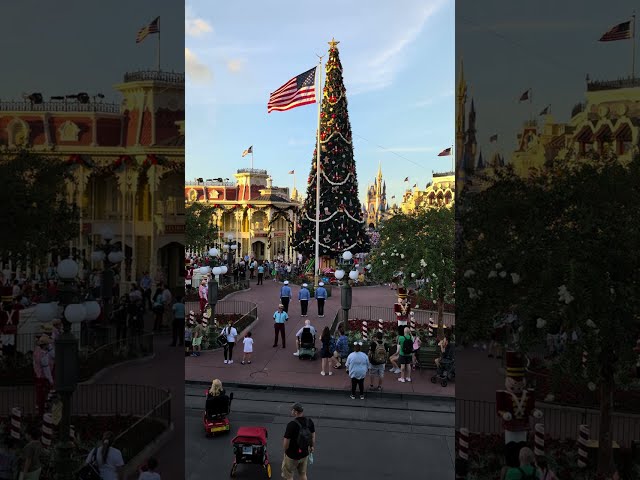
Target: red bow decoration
column 123, row 159
column 75, row 160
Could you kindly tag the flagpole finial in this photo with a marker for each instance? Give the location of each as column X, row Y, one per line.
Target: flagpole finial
column 333, row 43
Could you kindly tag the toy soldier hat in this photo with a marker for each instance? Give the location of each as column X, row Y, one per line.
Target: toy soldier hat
column 7, row 294
column 514, row 364
column 286, row 282
column 402, row 292
column 47, row 328
column 44, row 340
column 321, row 284
column 305, row 285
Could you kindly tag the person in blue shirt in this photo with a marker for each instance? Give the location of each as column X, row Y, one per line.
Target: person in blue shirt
column 357, row 368
column 178, row 320
column 279, row 317
column 260, row 274
column 342, row 348
column 285, row 296
column 304, row 296
column 321, row 297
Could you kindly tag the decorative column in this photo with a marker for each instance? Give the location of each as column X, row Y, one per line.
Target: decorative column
column 154, row 174
column 81, row 177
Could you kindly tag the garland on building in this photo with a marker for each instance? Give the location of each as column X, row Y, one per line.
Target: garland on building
column 281, row 213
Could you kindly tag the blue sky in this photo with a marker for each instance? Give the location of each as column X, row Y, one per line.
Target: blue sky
column 398, row 61
column 71, row 46
column 548, row 46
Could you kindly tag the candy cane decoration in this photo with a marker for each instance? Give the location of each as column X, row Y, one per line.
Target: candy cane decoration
column 16, row 423
column 364, row 330
column 583, row 439
column 538, row 448
column 413, row 324
column 463, row 449
column 47, row 430
column 430, row 327
column 72, row 432
column 380, row 325
column 585, row 357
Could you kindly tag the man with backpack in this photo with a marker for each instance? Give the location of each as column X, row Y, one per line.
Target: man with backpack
column 377, row 360
column 527, row 469
column 405, row 351
column 299, row 442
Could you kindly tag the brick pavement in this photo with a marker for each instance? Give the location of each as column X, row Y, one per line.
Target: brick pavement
column 278, row 366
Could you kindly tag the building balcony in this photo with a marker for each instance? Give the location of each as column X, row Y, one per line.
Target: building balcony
column 154, row 75
column 595, row 86
column 254, row 171
column 61, row 106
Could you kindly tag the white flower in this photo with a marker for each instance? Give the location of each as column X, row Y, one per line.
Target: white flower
column 469, row 273
column 591, row 323
column 411, row 313
column 472, row 292
column 498, row 266
column 550, row 397
column 402, row 255
column 503, row 274
column 506, row 416
column 591, row 386
column 537, row 413
column 492, row 274
column 382, row 254
column 541, row 322
column 515, row 278
column 413, row 275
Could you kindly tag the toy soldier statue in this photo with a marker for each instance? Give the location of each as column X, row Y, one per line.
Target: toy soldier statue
column 515, row 405
column 402, row 310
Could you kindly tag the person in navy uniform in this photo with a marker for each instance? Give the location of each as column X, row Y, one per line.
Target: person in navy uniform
column 321, row 297
column 285, row 295
column 304, row 296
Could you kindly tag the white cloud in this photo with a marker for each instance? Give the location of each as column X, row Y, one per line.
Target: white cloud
column 196, row 70
column 195, row 26
column 234, row 65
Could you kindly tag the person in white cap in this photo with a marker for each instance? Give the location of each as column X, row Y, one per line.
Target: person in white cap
column 304, row 296
column 285, row 295
column 321, row 297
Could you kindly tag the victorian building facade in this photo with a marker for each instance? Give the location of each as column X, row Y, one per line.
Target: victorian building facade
column 126, row 161
column 261, row 218
column 439, row 192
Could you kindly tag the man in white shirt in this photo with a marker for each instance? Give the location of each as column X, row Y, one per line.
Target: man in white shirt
column 307, row 324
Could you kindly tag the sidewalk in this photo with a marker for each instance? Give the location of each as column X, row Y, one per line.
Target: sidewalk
column 278, row 366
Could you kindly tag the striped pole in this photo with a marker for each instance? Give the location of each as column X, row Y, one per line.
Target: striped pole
column 364, row 330
column 72, row 432
column 585, row 357
column 538, row 448
column 583, row 439
column 50, row 397
column 380, row 325
column 47, row 430
column 16, row 423
column 463, row 443
column 413, row 325
column 430, row 327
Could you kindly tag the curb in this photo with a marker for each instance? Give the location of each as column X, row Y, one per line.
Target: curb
column 131, row 467
column 296, row 388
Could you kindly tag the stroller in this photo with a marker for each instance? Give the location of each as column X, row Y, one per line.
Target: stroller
column 307, row 345
column 216, row 419
column 446, row 371
column 250, row 447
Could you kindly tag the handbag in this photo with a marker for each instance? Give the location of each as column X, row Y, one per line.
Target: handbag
column 90, row 471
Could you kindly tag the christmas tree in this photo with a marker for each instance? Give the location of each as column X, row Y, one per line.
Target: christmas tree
column 342, row 226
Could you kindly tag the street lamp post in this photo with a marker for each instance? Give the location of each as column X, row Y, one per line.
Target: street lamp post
column 230, row 246
column 109, row 256
column 212, row 292
column 345, row 287
column 66, row 354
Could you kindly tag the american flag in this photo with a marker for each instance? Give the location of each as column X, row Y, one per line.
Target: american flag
column 292, row 172
column 298, row 91
column 622, row 31
column 445, row 153
column 493, row 138
column 153, row 27
column 247, row 151
column 525, row 96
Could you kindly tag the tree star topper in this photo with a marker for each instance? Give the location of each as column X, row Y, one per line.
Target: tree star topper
column 333, row 42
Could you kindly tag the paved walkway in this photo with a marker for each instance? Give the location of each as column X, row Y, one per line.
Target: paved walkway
column 278, row 366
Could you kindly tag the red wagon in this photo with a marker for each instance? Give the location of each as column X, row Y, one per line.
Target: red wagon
column 250, row 447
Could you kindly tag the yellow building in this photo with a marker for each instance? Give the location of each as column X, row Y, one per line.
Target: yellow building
column 439, row 192
column 262, row 218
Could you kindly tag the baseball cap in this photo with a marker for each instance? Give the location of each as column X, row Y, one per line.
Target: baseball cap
column 297, row 407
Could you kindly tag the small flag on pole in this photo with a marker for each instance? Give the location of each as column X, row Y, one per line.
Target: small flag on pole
column 247, row 151
column 292, row 172
column 445, row 153
column 393, row 197
column 525, row 96
column 298, row 91
column 622, row 31
column 415, row 185
column 493, row 138
column 545, row 111
column 406, row 179
column 153, row 27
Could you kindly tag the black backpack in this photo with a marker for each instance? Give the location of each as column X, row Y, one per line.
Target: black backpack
column 304, row 437
column 407, row 346
column 527, row 476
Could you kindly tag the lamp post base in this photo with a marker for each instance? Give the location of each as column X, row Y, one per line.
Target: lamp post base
column 63, row 465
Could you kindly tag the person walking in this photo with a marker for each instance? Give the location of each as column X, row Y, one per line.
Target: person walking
column 285, row 296
column 203, row 294
column 279, row 317
column 177, row 325
column 321, row 297
column 405, row 350
column 299, row 443
column 196, row 340
column 247, row 343
column 377, row 360
column 231, row 333
column 108, row 459
column 304, row 296
column 260, row 273
column 357, row 368
column 326, row 351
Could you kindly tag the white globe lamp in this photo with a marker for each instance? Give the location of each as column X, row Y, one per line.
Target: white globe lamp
column 347, row 255
column 93, row 309
column 75, row 313
column 204, row 270
column 45, row 312
column 234, row 247
column 339, row 274
column 116, row 257
column 97, row 256
column 224, row 269
column 107, row 234
column 68, row 269
column 217, row 271
column 213, row 252
column 353, row 275
column 230, row 237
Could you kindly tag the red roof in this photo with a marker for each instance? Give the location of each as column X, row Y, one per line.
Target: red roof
column 251, row 435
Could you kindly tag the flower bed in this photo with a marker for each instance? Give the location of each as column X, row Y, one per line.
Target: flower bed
column 486, row 458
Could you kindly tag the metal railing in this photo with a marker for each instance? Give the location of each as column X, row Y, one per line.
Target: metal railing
column 159, row 76
column 593, row 86
column 388, row 315
column 559, row 422
column 25, row 106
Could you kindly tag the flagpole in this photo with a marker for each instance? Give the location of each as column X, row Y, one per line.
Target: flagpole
column 317, row 259
column 158, row 43
column 633, row 48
